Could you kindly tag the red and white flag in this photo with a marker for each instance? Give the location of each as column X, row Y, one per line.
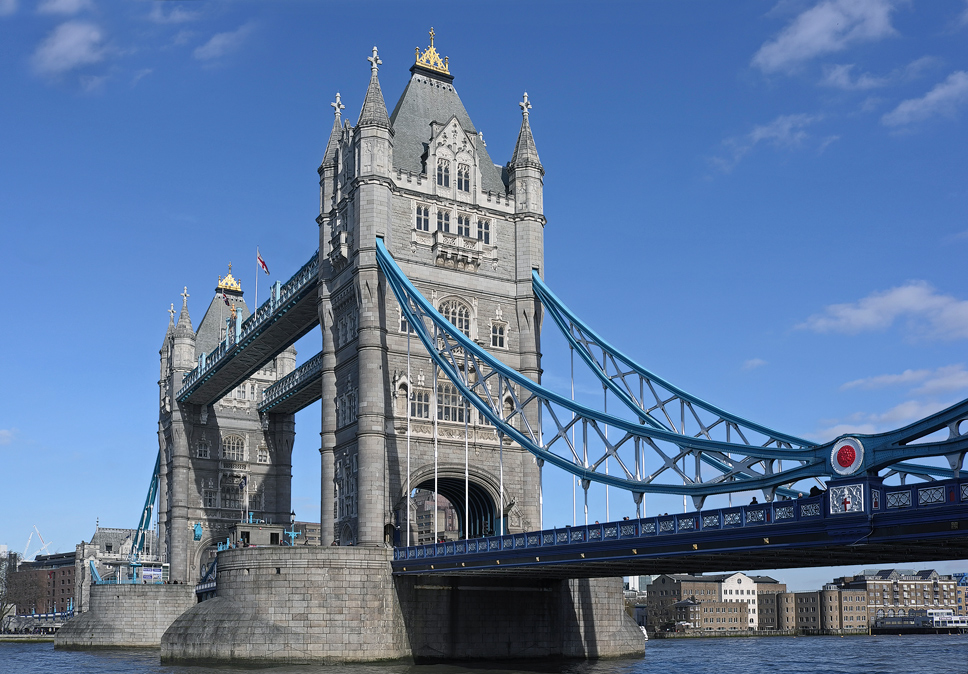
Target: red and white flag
column 262, row 263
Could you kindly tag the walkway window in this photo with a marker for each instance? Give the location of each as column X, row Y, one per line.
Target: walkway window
column 458, row 314
column 423, row 218
column 443, row 221
column 450, row 405
column 233, row 448
column 464, row 177
column 484, row 231
column 464, row 225
column 443, row 173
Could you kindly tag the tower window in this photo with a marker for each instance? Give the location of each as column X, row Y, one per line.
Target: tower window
column 443, row 221
column 458, row 314
column 499, row 335
column 484, row 231
column 263, row 455
column 464, row 177
column 201, row 451
column 464, row 225
column 210, row 497
column 443, row 173
column 449, row 403
column 420, row 404
column 233, row 448
column 423, row 218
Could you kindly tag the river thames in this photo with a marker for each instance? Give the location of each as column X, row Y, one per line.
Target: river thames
column 931, row 654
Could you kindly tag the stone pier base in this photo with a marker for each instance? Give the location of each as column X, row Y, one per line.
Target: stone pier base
column 126, row 616
column 341, row 604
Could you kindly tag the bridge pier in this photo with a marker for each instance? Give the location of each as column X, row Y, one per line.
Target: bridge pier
column 341, row 604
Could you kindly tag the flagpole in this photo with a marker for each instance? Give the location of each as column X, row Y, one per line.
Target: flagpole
column 257, row 270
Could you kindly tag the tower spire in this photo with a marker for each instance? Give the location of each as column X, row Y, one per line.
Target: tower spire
column 330, row 153
column 184, row 327
column 525, row 152
column 374, row 112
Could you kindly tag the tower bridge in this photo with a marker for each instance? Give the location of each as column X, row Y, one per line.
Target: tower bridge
column 427, row 289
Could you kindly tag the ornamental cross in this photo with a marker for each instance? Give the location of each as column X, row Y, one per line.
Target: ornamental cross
column 185, row 297
column 374, row 61
column 846, row 502
column 338, row 105
column 171, row 311
column 525, row 104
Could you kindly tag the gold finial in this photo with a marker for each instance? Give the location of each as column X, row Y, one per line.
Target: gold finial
column 232, row 307
column 431, row 60
column 229, row 282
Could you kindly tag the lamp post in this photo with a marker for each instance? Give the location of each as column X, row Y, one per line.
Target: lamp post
column 292, row 534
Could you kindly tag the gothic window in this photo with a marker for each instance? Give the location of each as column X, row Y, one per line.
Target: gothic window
column 499, row 335
column 443, row 221
column 210, row 498
column 484, row 231
column 458, row 314
column 263, row 454
column 420, row 404
column 464, row 225
column 450, row 405
column 233, row 448
column 443, row 172
column 231, row 494
column 423, row 218
column 464, row 177
column 201, row 451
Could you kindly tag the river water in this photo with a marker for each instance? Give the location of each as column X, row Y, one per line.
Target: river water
column 934, row 654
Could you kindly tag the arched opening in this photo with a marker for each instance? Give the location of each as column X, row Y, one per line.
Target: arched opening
column 481, row 512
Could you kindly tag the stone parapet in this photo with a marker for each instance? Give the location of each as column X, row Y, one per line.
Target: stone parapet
column 126, row 616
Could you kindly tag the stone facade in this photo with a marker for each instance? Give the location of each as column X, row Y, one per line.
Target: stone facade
column 126, row 616
column 468, row 234
column 206, row 452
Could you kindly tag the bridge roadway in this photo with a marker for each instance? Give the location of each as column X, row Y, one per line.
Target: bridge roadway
column 288, row 314
column 922, row 522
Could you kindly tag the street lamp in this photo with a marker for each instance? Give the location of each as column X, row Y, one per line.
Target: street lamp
column 292, row 533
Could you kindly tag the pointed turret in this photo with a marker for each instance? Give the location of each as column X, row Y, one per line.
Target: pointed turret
column 525, row 152
column 330, row 154
column 374, row 112
column 184, row 337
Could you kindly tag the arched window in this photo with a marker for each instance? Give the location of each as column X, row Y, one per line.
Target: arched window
column 423, row 218
column 450, row 405
column 463, row 225
column 443, row 173
column 443, row 221
column 233, row 448
column 464, row 177
column 458, row 314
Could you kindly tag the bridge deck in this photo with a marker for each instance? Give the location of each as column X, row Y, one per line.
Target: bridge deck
column 299, row 389
column 922, row 522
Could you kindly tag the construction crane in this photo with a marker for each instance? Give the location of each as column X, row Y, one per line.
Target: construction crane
column 41, row 550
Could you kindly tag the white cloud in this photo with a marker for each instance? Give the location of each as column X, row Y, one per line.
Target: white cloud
column 176, row 15
column 944, row 99
column 222, row 44
column 68, row 7
column 70, row 45
column 863, row 423
column 839, row 77
column 829, row 26
column 8, row 7
column 144, row 72
column 932, row 382
column 6, row 436
column 928, row 312
column 786, row 131
column 753, row 363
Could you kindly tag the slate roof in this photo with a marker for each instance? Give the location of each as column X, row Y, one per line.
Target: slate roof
column 374, row 112
column 209, row 330
column 428, row 98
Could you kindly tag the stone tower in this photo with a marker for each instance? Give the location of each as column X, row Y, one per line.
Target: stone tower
column 468, row 233
column 207, row 451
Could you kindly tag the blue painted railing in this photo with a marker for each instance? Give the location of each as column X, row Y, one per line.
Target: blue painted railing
column 292, row 383
column 881, row 499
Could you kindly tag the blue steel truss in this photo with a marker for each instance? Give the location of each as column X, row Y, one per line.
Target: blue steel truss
column 650, row 455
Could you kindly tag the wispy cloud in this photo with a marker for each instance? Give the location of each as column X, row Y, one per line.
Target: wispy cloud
column 67, row 7
column 827, row 27
column 6, row 436
column 932, row 382
column 840, row 77
column 69, row 46
column 867, row 423
column 8, row 7
column 785, row 132
column 928, row 312
column 223, row 43
column 753, row 363
column 176, row 14
column 144, row 72
column 944, row 99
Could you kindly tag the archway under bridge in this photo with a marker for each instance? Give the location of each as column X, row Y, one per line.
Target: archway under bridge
column 481, row 512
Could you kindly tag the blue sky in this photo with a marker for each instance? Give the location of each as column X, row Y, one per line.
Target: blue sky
column 764, row 202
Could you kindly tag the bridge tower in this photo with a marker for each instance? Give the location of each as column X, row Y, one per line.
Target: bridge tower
column 207, row 450
column 468, row 233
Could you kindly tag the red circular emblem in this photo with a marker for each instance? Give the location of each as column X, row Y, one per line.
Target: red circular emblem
column 846, row 456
